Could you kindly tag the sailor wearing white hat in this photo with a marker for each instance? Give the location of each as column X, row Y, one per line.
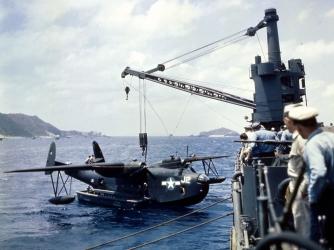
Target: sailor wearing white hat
column 319, row 159
column 300, row 207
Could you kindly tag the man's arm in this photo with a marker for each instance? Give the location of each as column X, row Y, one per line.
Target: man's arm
column 315, row 161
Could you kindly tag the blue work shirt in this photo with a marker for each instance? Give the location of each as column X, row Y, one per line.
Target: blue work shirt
column 319, row 159
column 286, row 136
column 259, row 135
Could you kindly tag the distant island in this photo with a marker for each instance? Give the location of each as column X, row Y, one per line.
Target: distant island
column 219, row 132
column 21, row 125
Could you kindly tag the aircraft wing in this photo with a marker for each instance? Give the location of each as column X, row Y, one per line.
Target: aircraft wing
column 70, row 167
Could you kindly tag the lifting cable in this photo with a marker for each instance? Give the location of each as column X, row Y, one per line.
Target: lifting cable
column 162, row 224
column 207, row 83
column 205, row 46
column 258, row 39
column 144, row 95
column 182, row 114
column 206, row 52
column 140, row 106
column 219, row 114
column 181, row 231
column 152, row 108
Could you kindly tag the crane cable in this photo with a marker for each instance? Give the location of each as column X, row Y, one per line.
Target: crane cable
column 206, row 83
column 144, row 95
column 206, row 52
column 219, row 114
column 159, row 225
column 140, row 106
column 153, row 109
column 205, row 46
column 182, row 114
column 258, row 39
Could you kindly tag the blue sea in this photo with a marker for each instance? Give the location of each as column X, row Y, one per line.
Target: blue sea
column 29, row 221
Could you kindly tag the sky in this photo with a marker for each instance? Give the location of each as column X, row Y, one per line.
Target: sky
column 62, row 60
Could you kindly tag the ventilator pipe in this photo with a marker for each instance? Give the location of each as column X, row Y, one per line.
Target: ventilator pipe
column 287, row 237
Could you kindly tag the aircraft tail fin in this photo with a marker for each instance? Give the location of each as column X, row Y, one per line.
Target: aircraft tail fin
column 98, row 152
column 51, row 160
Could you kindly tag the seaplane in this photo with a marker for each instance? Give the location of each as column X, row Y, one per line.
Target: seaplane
column 170, row 182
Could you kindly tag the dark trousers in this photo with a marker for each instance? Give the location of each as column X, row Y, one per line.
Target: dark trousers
column 323, row 229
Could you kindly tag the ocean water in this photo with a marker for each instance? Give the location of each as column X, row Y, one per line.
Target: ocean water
column 29, row 221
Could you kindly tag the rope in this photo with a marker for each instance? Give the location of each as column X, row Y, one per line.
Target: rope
column 182, row 114
column 140, row 104
column 205, row 46
column 181, row 231
column 258, row 39
column 158, row 225
column 208, row 83
column 219, row 114
column 144, row 91
column 238, row 39
column 154, row 111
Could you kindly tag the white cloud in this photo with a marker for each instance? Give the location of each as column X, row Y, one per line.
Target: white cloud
column 330, row 13
column 65, row 64
column 313, row 50
column 304, row 14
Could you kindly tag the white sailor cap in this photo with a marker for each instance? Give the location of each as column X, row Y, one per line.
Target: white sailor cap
column 303, row 113
column 289, row 107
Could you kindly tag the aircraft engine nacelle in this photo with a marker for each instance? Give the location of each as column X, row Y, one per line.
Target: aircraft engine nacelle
column 171, row 186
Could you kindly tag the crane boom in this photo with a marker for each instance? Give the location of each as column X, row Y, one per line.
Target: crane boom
column 189, row 87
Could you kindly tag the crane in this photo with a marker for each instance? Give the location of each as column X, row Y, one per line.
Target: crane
column 275, row 84
column 189, row 87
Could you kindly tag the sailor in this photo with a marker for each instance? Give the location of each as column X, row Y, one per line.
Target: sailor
column 261, row 149
column 300, row 206
column 285, row 136
column 245, row 146
column 280, row 132
column 319, row 158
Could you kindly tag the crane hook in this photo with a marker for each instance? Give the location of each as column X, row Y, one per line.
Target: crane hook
column 127, row 90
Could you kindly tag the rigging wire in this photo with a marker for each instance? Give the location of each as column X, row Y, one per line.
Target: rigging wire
column 181, row 231
column 159, row 225
column 144, row 95
column 205, row 46
column 154, row 111
column 206, row 82
column 219, row 114
column 182, row 114
column 258, row 39
column 238, row 39
column 140, row 106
